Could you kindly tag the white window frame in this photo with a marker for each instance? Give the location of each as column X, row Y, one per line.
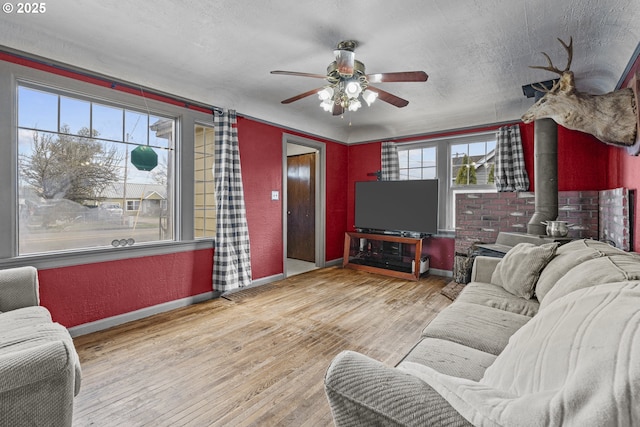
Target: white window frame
column 447, row 190
column 11, row 75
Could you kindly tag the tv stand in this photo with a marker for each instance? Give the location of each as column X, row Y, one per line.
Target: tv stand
column 386, row 254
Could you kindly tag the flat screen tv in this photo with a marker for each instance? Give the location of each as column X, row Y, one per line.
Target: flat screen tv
column 399, row 207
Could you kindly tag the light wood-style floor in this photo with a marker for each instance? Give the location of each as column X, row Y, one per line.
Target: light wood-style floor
column 255, row 359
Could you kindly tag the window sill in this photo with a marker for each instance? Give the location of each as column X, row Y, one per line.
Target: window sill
column 90, row 256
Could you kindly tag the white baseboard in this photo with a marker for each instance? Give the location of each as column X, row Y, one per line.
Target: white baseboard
column 333, row 262
column 438, row 272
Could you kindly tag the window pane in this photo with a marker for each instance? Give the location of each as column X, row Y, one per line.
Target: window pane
column 403, row 159
column 472, row 163
column 205, row 204
column 415, row 173
column 418, row 163
column 107, row 122
column 162, row 132
column 429, row 173
column 136, row 127
column 88, row 193
column 75, row 116
column 415, row 158
column 37, row 109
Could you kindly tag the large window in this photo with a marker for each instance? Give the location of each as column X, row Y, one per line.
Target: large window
column 91, row 173
column 462, row 164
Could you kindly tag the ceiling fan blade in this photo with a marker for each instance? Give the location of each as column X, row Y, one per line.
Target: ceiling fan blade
column 337, row 109
column 302, row 95
column 388, row 97
column 401, row 76
column 295, row 73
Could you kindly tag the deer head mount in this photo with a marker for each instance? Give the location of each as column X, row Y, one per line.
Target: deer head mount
column 612, row 117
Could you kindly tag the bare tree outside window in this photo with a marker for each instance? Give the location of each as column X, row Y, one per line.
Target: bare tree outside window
column 72, row 167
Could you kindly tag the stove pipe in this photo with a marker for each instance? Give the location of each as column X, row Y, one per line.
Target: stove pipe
column 545, row 175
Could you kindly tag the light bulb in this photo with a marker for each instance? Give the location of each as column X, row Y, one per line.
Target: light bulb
column 354, row 105
column 325, row 93
column 353, row 89
column 327, row 105
column 369, row 96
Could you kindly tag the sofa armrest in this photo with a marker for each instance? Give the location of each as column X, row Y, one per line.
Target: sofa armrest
column 36, row 364
column 37, row 386
column 364, row 392
column 483, row 267
column 18, row 288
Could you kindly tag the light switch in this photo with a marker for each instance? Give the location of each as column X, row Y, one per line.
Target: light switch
column 275, row 195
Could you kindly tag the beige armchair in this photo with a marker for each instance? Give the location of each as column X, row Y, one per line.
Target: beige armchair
column 39, row 367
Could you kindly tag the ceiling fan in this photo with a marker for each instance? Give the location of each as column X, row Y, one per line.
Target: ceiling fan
column 349, row 85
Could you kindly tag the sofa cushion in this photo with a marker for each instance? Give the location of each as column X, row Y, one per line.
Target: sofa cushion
column 23, row 317
column 520, row 268
column 450, row 358
column 483, row 328
column 608, row 269
column 495, row 296
column 575, row 363
column 568, row 256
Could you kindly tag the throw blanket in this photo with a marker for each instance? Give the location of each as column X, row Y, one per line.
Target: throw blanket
column 576, row 363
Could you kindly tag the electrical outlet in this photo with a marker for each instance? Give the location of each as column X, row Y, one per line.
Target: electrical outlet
column 275, row 195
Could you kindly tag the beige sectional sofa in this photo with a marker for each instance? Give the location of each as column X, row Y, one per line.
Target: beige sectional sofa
column 548, row 335
column 39, row 366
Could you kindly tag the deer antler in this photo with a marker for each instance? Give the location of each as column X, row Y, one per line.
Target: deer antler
column 551, row 67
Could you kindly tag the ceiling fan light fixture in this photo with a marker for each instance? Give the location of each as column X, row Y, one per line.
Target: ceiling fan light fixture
column 352, row 89
column 369, row 97
column 354, row 105
column 327, row 104
column 325, row 93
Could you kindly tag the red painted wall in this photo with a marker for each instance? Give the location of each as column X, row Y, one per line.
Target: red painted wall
column 85, row 293
column 582, row 159
column 363, row 159
column 338, row 166
column 261, row 162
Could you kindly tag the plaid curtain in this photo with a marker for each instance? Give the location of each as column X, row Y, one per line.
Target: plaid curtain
column 511, row 174
column 231, row 259
column 390, row 162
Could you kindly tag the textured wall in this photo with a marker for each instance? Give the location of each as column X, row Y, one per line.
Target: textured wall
column 481, row 216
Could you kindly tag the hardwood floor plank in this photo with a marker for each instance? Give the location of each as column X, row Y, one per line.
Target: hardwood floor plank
column 254, row 360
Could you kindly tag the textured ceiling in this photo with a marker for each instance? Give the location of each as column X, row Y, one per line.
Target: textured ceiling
column 220, row 53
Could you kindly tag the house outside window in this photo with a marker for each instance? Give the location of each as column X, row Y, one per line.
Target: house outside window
column 75, row 172
column 461, row 164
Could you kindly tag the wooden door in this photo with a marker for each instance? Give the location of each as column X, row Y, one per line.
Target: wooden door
column 301, row 207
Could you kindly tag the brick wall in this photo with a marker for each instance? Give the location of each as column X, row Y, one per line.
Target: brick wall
column 615, row 223
column 481, row 216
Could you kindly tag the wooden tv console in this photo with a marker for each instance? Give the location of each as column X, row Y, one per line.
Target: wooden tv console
column 384, row 254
